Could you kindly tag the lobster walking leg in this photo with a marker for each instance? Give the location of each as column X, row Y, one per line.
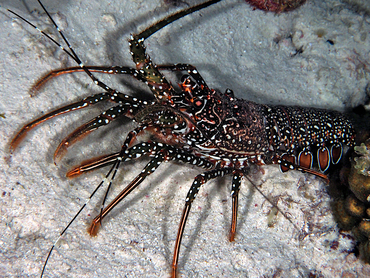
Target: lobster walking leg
column 65, row 109
column 109, row 70
column 149, row 169
column 163, row 153
column 235, row 187
column 194, row 189
column 145, row 148
column 99, row 69
column 88, row 101
column 106, row 160
column 127, row 109
column 100, row 162
column 93, row 164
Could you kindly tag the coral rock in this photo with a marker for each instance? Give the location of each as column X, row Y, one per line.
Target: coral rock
column 276, row 6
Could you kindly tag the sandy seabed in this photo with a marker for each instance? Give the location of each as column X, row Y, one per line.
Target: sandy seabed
column 315, row 56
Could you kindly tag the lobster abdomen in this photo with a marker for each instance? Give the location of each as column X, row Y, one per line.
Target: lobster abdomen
column 267, row 133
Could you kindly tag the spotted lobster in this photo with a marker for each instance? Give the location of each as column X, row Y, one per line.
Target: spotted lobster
column 196, row 125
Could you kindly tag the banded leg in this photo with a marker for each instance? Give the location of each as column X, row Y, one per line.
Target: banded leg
column 65, row 109
column 95, row 163
column 163, row 153
column 110, row 70
column 109, row 94
column 148, row 170
column 99, row 69
column 145, row 148
column 125, row 109
column 114, row 70
column 88, row 101
column 136, row 151
column 132, row 152
column 235, row 187
column 194, row 189
column 130, row 139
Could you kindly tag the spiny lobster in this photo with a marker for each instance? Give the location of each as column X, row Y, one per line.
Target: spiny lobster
column 195, row 125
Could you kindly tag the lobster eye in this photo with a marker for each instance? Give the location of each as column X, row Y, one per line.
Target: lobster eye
column 185, row 78
column 229, row 93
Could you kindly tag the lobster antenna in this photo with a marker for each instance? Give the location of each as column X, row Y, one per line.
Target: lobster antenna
column 45, row 34
column 71, row 53
column 105, row 180
column 274, row 205
column 168, row 20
